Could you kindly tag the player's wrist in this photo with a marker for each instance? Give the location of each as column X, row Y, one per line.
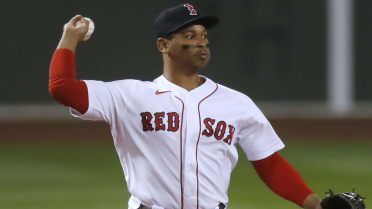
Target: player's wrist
column 68, row 42
column 312, row 201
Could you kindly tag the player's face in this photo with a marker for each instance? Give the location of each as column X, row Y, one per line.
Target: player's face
column 190, row 47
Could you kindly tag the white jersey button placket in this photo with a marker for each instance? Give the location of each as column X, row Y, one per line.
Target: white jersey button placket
column 191, row 138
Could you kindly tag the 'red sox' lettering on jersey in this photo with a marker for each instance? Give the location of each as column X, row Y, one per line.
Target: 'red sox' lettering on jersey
column 172, row 117
column 219, row 131
column 229, row 137
column 146, row 121
column 173, row 121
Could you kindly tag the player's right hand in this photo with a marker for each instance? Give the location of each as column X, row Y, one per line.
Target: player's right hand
column 73, row 32
column 76, row 28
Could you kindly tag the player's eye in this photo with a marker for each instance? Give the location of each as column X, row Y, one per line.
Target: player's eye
column 205, row 36
column 189, row 36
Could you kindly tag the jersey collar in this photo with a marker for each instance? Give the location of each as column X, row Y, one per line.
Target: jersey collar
column 198, row 93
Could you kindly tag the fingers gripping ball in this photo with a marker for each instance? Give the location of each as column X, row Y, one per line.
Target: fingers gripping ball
column 343, row 201
column 90, row 28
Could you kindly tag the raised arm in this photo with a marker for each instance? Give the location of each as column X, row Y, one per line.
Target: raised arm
column 63, row 85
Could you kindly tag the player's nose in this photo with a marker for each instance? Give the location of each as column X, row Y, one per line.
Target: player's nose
column 203, row 43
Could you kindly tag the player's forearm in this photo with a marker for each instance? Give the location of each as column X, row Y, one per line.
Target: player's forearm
column 282, row 179
column 68, row 42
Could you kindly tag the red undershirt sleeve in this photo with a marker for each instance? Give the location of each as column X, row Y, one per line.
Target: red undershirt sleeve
column 63, row 85
column 282, row 178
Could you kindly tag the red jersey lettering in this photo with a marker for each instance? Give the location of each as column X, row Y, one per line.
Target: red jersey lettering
column 220, row 130
column 159, row 121
column 208, row 131
column 228, row 139
column 146, row 121
column 173, row 121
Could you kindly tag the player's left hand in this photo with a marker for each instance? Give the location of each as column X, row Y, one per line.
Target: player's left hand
column 346, row 200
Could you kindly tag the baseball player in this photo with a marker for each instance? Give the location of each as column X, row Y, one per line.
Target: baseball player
column 176, row 136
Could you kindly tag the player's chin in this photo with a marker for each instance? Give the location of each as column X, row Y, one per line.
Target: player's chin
column 201, row 65
column 202, row 62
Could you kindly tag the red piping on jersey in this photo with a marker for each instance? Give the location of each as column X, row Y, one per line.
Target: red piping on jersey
column 181, row 172
column 196, row 153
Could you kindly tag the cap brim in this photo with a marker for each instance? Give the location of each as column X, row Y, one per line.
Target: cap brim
column 207, row 21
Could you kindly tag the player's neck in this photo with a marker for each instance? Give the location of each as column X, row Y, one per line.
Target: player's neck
column 184, row 79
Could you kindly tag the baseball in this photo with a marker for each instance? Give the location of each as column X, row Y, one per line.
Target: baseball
column 90, row 28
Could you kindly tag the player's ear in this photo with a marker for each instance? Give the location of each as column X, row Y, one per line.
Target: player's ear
column 163, row 45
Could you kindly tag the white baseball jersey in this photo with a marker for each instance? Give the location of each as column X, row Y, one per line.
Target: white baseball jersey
column 178, row 147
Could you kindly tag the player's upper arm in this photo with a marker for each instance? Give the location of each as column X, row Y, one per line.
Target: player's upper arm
column 106, row 99
column 256, row 135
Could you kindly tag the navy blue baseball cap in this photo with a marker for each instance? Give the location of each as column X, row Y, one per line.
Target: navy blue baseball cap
column 172, row 19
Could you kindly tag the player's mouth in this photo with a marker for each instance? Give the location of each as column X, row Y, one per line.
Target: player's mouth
column 203, row 55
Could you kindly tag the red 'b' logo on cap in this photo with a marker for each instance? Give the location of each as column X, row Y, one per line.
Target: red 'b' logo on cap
column 191, row 9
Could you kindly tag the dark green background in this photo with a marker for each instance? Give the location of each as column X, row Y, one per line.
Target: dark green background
column 271, row 50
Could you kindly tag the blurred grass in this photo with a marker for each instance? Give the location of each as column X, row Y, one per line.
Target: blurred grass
column 88, row 175
column 324, row 164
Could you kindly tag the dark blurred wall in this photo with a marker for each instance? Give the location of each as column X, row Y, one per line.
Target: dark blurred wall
column 363, row 49
column 271, row 50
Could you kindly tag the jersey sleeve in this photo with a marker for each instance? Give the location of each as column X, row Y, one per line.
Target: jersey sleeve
column 63, row 85
column 256, row 135
column 105, row 99
column 282, row 178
